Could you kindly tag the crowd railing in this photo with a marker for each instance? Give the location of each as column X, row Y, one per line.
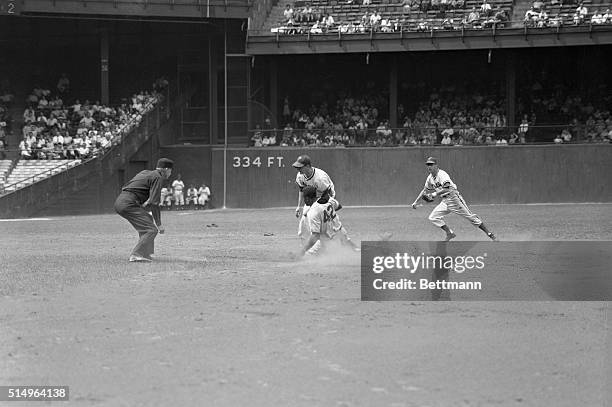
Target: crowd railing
column 421, row 135
column 402, row 28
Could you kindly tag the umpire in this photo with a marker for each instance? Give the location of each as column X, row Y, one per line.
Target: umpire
column 139, row 196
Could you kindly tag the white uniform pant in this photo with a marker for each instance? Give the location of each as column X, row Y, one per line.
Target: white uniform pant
column 202, row 199
column 303, row 229
column 179, row 198
column 454, row 204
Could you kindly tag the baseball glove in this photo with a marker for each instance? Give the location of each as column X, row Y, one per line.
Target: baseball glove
column 427, row 198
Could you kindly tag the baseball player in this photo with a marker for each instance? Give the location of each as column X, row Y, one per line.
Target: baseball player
column 166, row 198
column 177, row 188
column 311, row 176
column 322, row 221
column 452, row 201
column 138, row 197
column 192, row 195
column 203, row 195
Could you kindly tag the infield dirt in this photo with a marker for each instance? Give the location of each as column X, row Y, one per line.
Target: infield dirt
column 222, row 317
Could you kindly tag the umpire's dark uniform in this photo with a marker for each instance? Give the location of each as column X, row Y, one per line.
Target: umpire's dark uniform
column 144, row 190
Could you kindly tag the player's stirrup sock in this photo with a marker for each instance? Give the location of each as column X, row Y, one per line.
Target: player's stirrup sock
column 484, row 229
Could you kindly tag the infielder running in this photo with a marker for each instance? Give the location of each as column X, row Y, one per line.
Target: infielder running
column 322, row 222
column 310, row 176
column 452, row 201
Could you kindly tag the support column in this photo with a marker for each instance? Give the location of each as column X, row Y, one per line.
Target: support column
column 104, row 64
column 393, row 92
column 511, row 89
column 274, row 89
column 213, row 109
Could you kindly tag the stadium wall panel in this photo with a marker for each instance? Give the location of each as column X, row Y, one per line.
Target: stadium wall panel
column 258, row 177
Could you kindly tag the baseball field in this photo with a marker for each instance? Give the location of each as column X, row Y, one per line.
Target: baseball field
column 223, row 317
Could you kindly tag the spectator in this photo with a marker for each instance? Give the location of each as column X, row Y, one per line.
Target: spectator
column 485, row 8
column 328, row 22
column 597, row 18
column 87, row 121
column 474, row 18
column 63, row 84
column 288, row 12
column 523, row 128
column 558, row 139
column 446, row 140
column 257, row 136
column 580, row 14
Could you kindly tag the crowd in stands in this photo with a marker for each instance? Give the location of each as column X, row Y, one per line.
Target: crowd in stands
column 54, row 130
column 444, row 119
column 6, row 99
column 549, row 14
column 448, row 15
column 587, row 117
column 447, row 117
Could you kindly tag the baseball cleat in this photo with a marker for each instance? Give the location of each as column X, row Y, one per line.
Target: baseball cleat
column 450, row 236
column 492, row 237
column 134, row 259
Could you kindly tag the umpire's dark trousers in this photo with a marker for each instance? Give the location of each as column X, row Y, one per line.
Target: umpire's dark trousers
column 127, row 206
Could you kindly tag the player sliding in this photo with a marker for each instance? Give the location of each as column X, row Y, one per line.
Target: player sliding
column 322, row 222
column 307, row 175
column 452, row 201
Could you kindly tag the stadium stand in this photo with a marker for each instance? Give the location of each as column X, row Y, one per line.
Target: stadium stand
column 28, row 172
column 446, row 116
column 350, row 17
column 57, row 137
column 81, row 130
column 5, row 168
column 385, row 16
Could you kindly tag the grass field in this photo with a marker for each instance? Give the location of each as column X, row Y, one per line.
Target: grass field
column 222, row 317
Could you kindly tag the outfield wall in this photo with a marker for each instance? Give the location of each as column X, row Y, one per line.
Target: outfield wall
column 263, row 177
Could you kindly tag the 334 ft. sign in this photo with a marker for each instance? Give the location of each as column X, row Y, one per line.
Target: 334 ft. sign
column 10, row 7
column 245, row 162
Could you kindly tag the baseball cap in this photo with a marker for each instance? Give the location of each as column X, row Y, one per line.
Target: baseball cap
column 309, row 192
column 431, row 160
column 301, row 161
column 165, row 163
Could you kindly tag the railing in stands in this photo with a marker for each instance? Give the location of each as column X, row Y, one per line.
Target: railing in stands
column 423, row 135
column 22, row 183
column 400, row 30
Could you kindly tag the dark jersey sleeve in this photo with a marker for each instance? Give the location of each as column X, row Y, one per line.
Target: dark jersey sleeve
column 155, row 211
column 155, row 189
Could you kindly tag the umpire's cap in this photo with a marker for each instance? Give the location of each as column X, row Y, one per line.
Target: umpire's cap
column 165, row 163
column 431, row 161
column 301, row 161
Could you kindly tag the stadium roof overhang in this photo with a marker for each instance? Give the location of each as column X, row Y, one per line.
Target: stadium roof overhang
column 143, row 9
column 273, row 44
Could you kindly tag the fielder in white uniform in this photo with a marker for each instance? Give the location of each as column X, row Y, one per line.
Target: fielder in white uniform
column 166, row 198
column 177, row 187
column 192, row 195
column 442, row 186
column 310, row 176
column 203, row 195
column 322, row 222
